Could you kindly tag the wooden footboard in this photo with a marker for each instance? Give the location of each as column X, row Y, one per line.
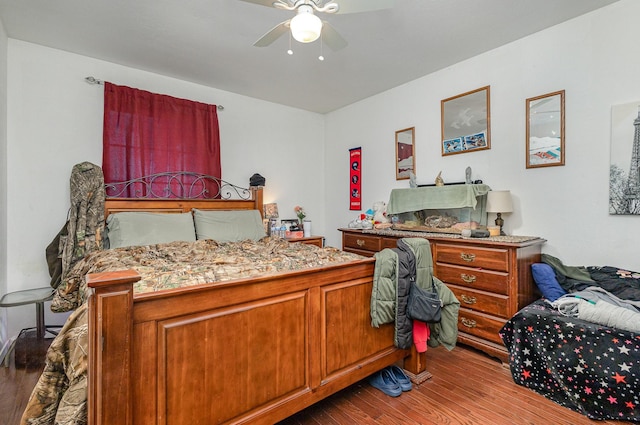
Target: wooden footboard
column 245, row 351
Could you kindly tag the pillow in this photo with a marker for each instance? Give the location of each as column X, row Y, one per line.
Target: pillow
column 229, row 226
column 145, row 228
column 545, row 279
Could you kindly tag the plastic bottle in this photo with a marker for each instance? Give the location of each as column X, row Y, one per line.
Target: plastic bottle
column 283, row 231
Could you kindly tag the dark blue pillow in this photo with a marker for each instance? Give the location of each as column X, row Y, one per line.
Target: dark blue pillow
column 545, row 279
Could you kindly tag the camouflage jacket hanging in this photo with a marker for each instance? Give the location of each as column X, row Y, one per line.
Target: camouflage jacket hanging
column 85, row 226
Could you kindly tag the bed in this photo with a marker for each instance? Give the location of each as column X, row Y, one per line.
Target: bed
column 557, row 350
column 250, row 349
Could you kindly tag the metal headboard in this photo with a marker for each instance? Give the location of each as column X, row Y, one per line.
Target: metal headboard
column 172, row 185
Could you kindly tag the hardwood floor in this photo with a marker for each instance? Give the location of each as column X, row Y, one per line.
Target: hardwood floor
column 467, row 387
column 15, row 389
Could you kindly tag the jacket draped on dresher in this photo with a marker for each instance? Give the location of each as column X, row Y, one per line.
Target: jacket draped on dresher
column 391, row 284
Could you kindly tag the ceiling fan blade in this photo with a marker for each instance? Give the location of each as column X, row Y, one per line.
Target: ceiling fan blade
column 331, row 37
column 354, row 6
column 268, row 3
column 273, row 34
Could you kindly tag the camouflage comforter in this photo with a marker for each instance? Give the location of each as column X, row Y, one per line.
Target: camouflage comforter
column 60, row 395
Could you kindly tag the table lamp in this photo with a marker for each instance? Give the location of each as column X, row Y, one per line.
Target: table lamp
column 270, row 212
column 499, row 201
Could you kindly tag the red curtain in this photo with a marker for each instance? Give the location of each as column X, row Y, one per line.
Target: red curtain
column 147, row 133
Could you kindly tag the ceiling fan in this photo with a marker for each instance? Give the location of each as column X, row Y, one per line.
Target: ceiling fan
column 306, row 27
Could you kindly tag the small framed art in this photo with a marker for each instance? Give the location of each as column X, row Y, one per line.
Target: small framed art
column 466, row 122
column 545, row 130
column 405, row 153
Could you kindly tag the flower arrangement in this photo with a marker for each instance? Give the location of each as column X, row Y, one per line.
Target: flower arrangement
column 300, row 213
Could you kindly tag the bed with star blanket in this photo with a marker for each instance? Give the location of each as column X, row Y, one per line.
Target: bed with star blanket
column 588, row 367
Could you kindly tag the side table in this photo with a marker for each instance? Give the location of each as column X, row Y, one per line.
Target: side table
column 309, row 240
column 30, row 340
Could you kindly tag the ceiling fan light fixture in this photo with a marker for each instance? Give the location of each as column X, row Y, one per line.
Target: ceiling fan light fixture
column 305, row 26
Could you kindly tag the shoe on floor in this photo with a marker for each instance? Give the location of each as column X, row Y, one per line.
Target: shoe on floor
column 386, row 382
column 401, row 377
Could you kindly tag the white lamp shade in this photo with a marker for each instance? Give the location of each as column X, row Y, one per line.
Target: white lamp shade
column 305, row 26
column 499, row 201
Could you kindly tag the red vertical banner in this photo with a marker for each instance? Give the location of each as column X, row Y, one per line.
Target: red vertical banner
column 355, row 183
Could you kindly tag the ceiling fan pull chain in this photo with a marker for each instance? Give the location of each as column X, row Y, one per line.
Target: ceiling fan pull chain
column 290, row 51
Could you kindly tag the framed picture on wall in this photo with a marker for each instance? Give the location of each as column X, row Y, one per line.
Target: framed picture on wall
column 405, row 153
column 545, row 130
column 624, row 169
column 466, row 122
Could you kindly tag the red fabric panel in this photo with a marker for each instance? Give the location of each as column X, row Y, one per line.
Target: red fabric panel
column 355, row 175
column 147, row 133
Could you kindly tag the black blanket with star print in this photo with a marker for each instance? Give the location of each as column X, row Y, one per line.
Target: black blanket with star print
column 589, row 368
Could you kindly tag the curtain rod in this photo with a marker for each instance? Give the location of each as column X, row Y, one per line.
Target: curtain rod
column 92, row 80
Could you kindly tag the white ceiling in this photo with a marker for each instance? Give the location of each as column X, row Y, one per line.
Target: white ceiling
column 210, row 42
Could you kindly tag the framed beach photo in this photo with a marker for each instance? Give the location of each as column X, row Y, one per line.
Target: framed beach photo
column 405, row 153
column 545, row 130
column 466, row 122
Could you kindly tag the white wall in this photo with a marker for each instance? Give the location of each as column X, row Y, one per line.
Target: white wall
column 55, row 121
column 3, row 179
column 594, row 58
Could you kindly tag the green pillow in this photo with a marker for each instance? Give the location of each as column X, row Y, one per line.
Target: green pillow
column 145, row 228
column 229, row 226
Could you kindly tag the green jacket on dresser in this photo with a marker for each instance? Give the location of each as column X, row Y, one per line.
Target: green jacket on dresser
column 391, row 290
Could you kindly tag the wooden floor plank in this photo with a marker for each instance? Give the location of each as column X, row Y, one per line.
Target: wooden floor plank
column 467, row 388
column 15, row 389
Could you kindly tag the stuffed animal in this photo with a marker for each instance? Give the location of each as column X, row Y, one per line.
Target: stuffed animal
column 360, row 222
column 380, row 212
column 373, row 216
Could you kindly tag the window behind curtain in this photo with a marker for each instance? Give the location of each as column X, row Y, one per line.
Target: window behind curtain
column 147, row 133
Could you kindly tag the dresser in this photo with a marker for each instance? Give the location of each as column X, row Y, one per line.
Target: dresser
column 491, row 277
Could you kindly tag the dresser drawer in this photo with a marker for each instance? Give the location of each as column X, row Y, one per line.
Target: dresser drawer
column 480, row 325
column 487, row 280
column 486, row 258
column 360, row 252
column 389, row 243
column 481, row 301
column 361, row 242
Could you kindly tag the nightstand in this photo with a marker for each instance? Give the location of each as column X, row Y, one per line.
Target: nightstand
column 310, row 240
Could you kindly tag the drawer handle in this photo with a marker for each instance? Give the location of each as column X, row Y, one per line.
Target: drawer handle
column 467, row 257
column 469, row 278
column 468, row 322
column 360, row 242
column 467, row 299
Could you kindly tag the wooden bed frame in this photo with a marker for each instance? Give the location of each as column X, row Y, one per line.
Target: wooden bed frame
column 244, row 351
